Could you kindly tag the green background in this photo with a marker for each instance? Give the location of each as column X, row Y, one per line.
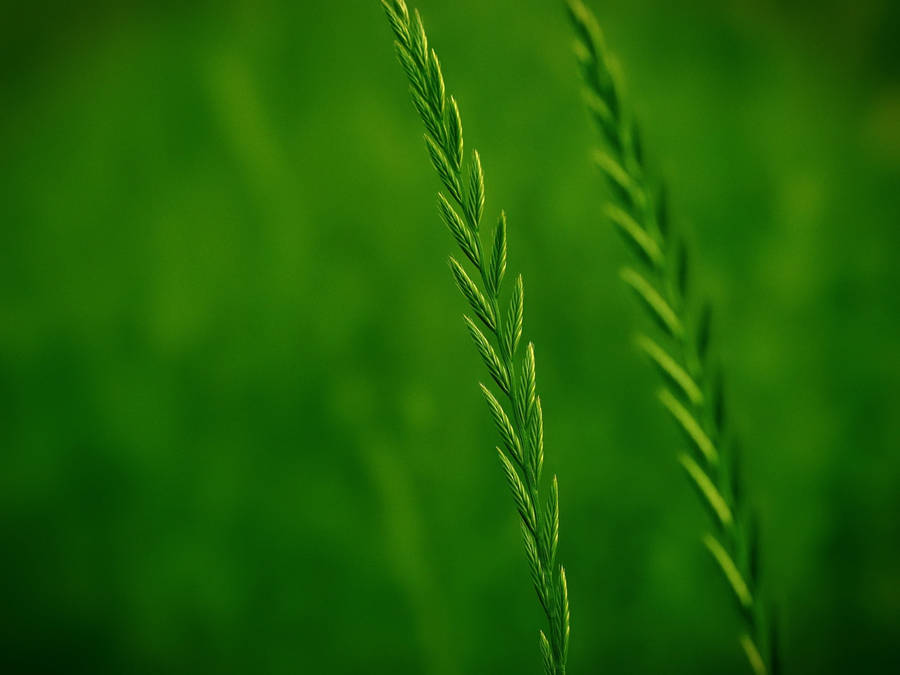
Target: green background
column 240, row 430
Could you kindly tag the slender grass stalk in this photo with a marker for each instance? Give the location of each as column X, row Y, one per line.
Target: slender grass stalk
column 497, row 333
column 691, row 394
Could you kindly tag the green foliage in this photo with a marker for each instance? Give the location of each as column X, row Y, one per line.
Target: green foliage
column 236, row 436
column 522, row 433
column 640, row 215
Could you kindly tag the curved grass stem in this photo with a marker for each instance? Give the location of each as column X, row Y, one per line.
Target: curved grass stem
column 639, row 212
column 496, row 330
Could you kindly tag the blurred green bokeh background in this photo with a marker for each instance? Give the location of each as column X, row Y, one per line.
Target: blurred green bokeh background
column 239, row 423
